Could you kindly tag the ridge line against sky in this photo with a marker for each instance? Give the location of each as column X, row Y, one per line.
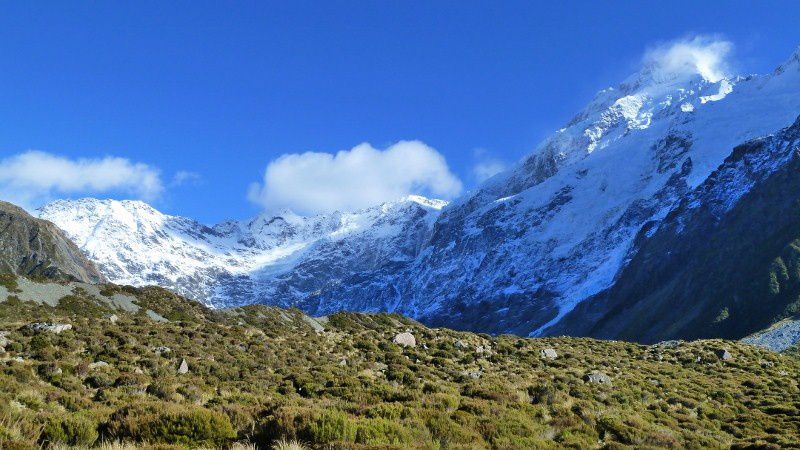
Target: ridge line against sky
column 216, row 114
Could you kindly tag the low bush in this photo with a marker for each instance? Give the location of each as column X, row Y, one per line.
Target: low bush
column 188, row 425
column 70, row 430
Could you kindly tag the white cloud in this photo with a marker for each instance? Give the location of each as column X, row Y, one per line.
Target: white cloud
column 183, row 177
column 486, row 166
column 704, row 55
column 314, row 182
column 487, row 169
column 35, row 177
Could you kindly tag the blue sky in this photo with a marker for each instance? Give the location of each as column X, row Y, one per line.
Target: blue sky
column 203, row 96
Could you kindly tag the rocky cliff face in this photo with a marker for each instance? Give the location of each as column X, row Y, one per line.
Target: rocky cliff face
column 724, row 263
column 34, row 247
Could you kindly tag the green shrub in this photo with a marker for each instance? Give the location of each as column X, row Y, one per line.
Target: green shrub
column 9, row 281
column 381, row 432
column 330, row 426
column 187, row 425
column 69, row 430
column 17, row 445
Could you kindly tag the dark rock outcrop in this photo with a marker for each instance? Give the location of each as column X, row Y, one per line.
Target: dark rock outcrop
column 35, row 247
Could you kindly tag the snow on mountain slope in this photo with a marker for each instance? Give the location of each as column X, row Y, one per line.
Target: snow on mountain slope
column 515, row 255
column 531, row 243
column 276, row 259
column 723, row 263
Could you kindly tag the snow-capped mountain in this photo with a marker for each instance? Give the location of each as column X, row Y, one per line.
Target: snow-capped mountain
column 518, row 254
column 724, row 263
column 530, row 244
column 277, row 259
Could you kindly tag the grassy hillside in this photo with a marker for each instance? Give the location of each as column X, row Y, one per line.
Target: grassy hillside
column 260, row 374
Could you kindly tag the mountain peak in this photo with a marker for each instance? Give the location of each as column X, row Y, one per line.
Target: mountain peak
column 90, row 203
column 425, row 201
column 792, row 62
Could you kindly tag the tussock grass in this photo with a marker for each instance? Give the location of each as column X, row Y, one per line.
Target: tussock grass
column 263, row 378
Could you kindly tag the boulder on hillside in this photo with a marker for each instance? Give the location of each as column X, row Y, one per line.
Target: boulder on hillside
column 723, row 354
column 183, row 368
column 4, row 341
column 405, row 339
column 98, row 365
column 548, row 353
column 597, row 378
column 43, row 327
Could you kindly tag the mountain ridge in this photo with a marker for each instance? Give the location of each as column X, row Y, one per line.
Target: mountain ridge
column 35, row 247
column 524, row 249
column 521, row 251
column 135, row 244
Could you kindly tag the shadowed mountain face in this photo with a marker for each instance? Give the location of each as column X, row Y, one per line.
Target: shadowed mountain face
column 725, row 263
column 35, row 247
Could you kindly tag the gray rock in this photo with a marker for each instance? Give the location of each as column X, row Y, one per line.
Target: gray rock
column 343, row 362
column 597, row 377
column 162, row 350
column 42, row 327
column 405, row 339
column 155, row 316
column 723, row 354
column 98, row 365
column 183, row 368
column 113, row 318
column 4, row 341
column 318, row 327
column 778, row 337
column 548, row 353
column 461, row 344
